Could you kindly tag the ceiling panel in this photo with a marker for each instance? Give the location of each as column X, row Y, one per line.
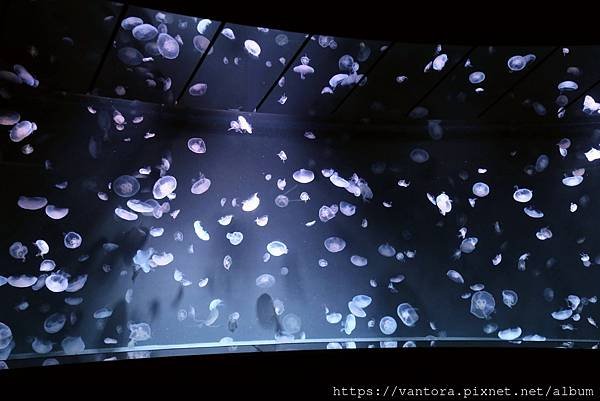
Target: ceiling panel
column 462, row 94
column 538, row 97
column 234, row 77
column 325, row 57
column 137, row 69
column 398, row 82
column 60, row 43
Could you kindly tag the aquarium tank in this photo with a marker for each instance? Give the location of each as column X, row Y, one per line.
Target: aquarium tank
column 178, row 185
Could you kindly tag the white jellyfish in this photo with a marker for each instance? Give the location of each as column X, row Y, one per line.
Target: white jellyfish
column 407, row 314
column 251, row 203
column 444, row 203
column 265, row 281
column 419, row 155
column 228, row 33
column 235, row 238
column 455, row 276
column 252, row 48
column 144, row 32
column 347, row 209
column 22, row 130
column 482, row 304
column 281, row 200
column 54, row 323
column 164, row 186
column 196, row 145
column 56, row 213
column 523, row 195
column 303, row 176
column 572, row 181
column 167, row 46
column 468, row 244
column 335, row 244
column 358, row 261
column 125, row 186
column 200, row 231
column 386, row 250
column 510, row 298
column 476, row 77
column 481, row 189
column 277, row 248
column 200, row 185
column 72, row 240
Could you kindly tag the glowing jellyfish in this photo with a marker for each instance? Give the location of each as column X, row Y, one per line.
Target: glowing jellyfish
column 443, row 203
column 322, row 263
column 125, row 214
column 563, row 314
column 481, row 189
column 533, row 213
column 291, row 324
column 476, row 77
column 200, row 185
column 198, row 89
column 22, row 130
column 252, row 48
column 5, row 336
column 572, row 181
column 144, row 32
column 517, row 63
column 139, row 332
column 18, row 251
column 201, row 43
column 386, row 250
column 304, row 69
column 42, row 247
column 72, row 345
column 31, row 203
column 468, row 244
column 262, row 220
column 523, row 195
column 334, row 244
column 56, row 213
column 358, row 261
column 203, row 25
column 510, row 298
column 162, row 259
column 455, row 276
column 388, row 325
column 228, row 33
column 265, row 281
column 167, row 46
column 251, row 203
column 510, row 334
column 567, row 86
column 103, row 313
column 407, row 314
column 345, row 63
column 130, row 56
column 196, row 145
column 54, row 323
column 347, row 209
column 72, row 240
column 126, row 186
column 41, row 346
column 544, row 234
column 282, row 201
column 303, row 176
column 419, row 155
column 164, row 186
column 277, row 248
column 131, row 22
column 200, row 231
column 9, row 118
column 542, row 163
column 57, row 282
column 47, row 265
column 235, row 238
column 281, row 39
column 482, row 304
column 334, row 318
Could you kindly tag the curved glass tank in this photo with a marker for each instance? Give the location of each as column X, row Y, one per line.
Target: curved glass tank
column 133, row 229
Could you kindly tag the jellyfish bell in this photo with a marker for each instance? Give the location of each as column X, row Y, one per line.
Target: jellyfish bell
column 57, row 282
column 407, row 314
column 252, row 48
column 22, row 130
column 444, row 203
column 265, row 281
column 482, row 304
column 335, row 244
column 303, row 70
column 228, row 33
column 509, row 298
column 72, row 240
column 251, row 203
column 523, row 195
column 481, row 189
column 126, row 186
column 130, row 56
column 164, row 186
column 281, row 201
column 358, row 261
column 31, row 203
column 572, row 181
column 303, row 176
column 419, row 155
column 516, row 63
column 476, row 77
column 131, row 22
column 167, row 46
column 201, row 185
column 144, row 32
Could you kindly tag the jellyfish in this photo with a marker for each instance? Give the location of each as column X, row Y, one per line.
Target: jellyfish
column 167, row 46
column 57, row 282
column 590, row 106
column 198, row 89
column 517, row 63
column 162, row 259
column 407, row 314
column 251, row 203
column 544, row 234
column 125, row 214
column 510, row 298
column 47, row 265
column 22, row 130
column 455, row 276
column 126, row 186
column 347, row 209
column 482, row 304
column 228, row 33
column 481, row 189
column 282, row 200
column 291, row 324
column 523, row 195
column 345, row 63
column 476, row 77
column 335, row 244
column 444, row 203
column 252, row 48
column 277, row 248
column 5, row 336
column 72, row 240
column 563, row 314
column 201, row 43
column 510, row 334
column 322, row 263
column 281, row 39
column 388, row 325
column 567, row 86
column 468, row 244
column 419, row 155
column 54, row 323
column 130, row 56
column 572, row 181
column 164, row 186
column 202, row 25
column 131, row 22
column 358, row 261
column 196, row 145
column 542, row 163
column 21, row 281
column 303, row 176
column 56, row 213
column 533, row 213
column 139, row 332
column 103, row 313
column 200, row 185
column 539, row 108
column 304, row 69
column 9, row 118
column 265, row 281
column 18, row 251
column 200, row 231
column 235, row 238
column 144, row 32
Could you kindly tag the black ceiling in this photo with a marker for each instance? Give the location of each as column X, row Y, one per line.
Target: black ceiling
column 78, row 47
